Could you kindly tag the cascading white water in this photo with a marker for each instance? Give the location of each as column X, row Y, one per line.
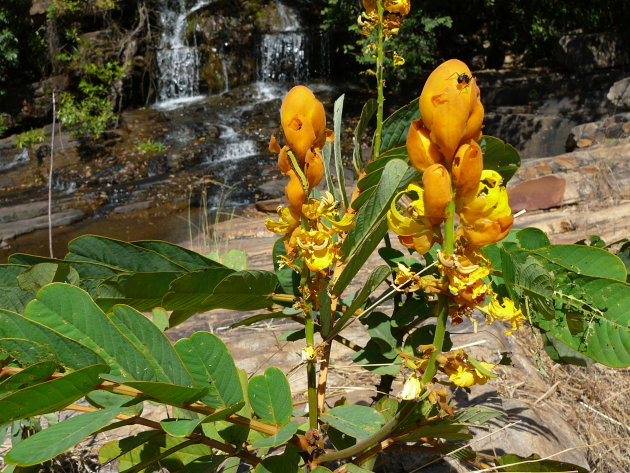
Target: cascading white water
column 178, row 62
column 282, row 53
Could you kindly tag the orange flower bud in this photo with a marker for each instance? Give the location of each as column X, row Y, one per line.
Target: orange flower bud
column 485, row 231
column 314, row 168
column 467, row 168
column 401, row 7
column 421, row 150
column 450, row 106
column 284, row 162
column 421, row 243
column 303, row 121
column 295, row 193
column 437, row 190
column 299, row 134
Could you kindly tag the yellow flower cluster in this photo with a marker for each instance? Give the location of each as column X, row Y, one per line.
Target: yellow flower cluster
column 443, row 145
column 310, row 226
column 462, row 372
column 394, row 12
column 304, row 125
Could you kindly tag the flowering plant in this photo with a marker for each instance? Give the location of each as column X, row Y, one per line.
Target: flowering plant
column 74, row 329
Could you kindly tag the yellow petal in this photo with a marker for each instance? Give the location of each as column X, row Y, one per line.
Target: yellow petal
column 411, row 389
column 462, row 377
column 345, row 224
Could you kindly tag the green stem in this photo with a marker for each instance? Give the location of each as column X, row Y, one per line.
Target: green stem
column 298, row 171
column 438, row 339
column 309, row 328
column 449, row 229
column 442, row 307
column 380, row 99
column 311, row 375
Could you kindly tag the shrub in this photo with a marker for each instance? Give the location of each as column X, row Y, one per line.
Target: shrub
column 30, row 138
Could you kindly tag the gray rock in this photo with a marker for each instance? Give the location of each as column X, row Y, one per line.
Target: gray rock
column 273, row 189
column 532, row 134
column 619, row 94
column 608, row 131
column 125, row 209
column 11, row 230
column 578, row 51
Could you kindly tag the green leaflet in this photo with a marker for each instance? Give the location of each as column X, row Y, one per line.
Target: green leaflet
column 354, row 420
column 58, row 438
column 118, row 254
column 500, row 157
column 142, row 291
column 270, row 396
column 71, row 312
column 69, row 352
column 51, row 395
column 211, row 366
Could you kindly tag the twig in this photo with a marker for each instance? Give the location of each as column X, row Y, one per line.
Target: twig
column 547, row 393
column 468, row 345
column 524, row 462
column 601, row 414
column 467, row 445
column 243, row 455
column 50, row 176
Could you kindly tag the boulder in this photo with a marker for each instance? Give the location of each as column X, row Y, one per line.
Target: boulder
column 607, row 131
column 619, row 94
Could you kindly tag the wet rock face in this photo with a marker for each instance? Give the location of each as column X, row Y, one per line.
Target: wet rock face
column 226, row 44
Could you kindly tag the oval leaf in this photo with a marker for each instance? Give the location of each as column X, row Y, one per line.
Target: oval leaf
column 58, row 438
column 270, row 396
column 357, row 421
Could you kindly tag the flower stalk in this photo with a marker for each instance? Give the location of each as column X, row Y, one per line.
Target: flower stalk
column 380, row 85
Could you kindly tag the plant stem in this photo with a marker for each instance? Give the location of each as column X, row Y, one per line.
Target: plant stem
column 309, row 328
column 442, row 307
column 380, row 99
column 449, row 228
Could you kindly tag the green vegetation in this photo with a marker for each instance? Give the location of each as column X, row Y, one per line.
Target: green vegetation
column 151, row 146
column 61, row 7
column 30, row 138
column 22, row 47
column 91, row 111
column 486, row 30
column 5, row 119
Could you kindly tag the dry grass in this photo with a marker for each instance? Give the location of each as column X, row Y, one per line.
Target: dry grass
column 595, row 401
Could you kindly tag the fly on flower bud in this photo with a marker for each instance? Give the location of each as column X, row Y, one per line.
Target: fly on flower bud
column 451, row 109
column 421, row 150
column 437, row 191
column 466, row 168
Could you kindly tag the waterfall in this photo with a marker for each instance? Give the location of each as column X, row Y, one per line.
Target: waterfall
column 283, row 52
column 178, row 62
